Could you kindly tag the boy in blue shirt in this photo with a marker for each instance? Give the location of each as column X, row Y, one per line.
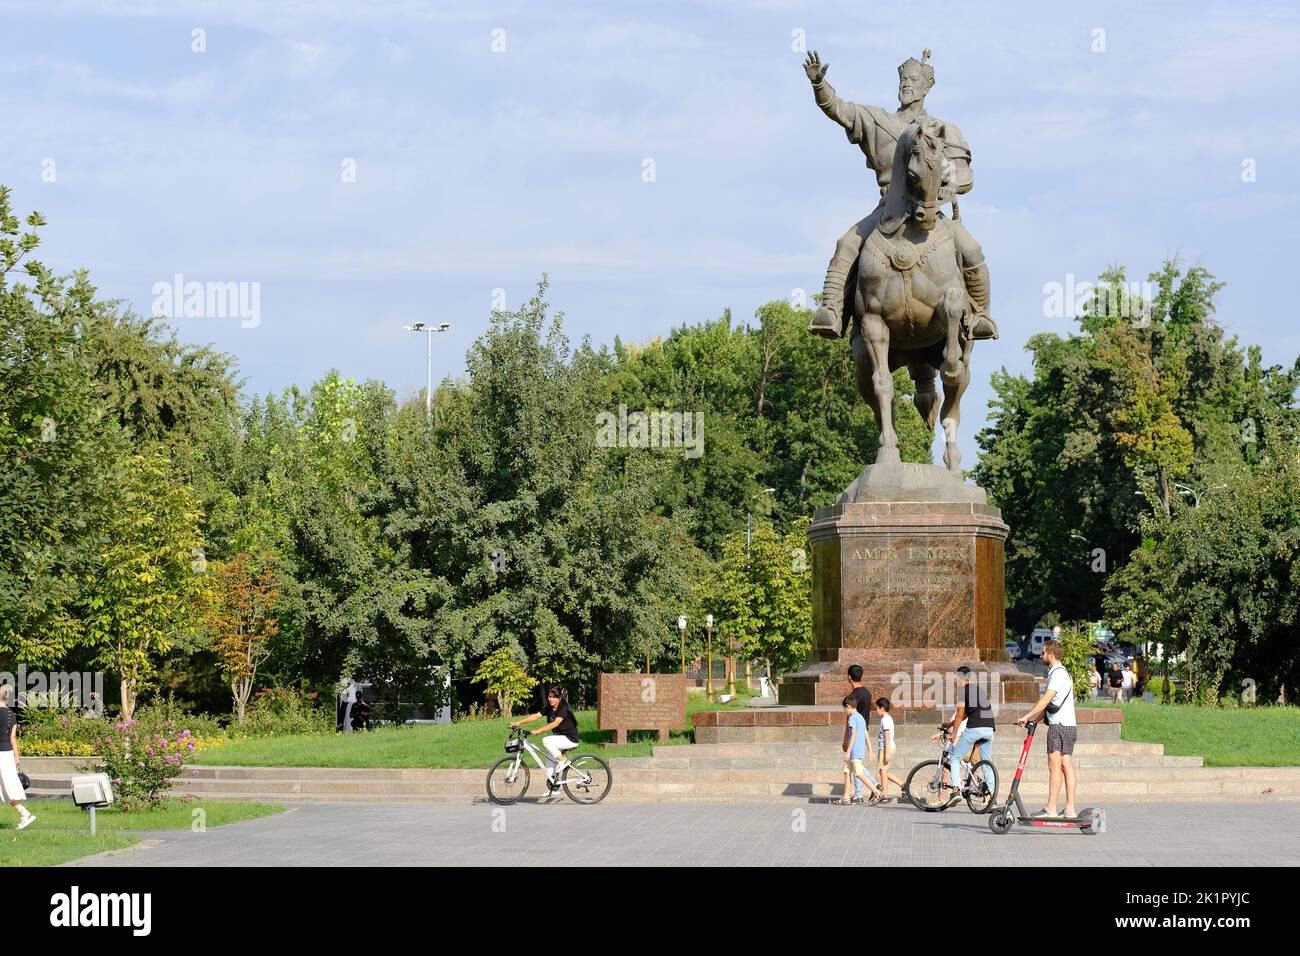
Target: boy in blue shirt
column 855, row 749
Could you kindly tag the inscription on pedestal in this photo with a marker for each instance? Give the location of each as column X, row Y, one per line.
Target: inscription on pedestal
column 911, row 591
column 889, row 578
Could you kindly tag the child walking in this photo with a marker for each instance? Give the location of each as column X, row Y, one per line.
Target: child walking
column 885, row 748
column 855, row 750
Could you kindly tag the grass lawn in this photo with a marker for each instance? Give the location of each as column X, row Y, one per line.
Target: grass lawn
column 1249, row 737
column 62, row 831
column 471, row 743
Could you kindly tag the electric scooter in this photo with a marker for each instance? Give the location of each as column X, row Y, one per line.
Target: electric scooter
column 1001, row 820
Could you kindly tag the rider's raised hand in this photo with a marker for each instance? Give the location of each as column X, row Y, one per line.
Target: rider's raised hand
column 815, row 68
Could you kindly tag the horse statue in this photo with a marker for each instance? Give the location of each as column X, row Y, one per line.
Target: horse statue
column 920, row 296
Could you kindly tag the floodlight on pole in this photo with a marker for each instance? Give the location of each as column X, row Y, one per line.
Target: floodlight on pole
column 428, row 331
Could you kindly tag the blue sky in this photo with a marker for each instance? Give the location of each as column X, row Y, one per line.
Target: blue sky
column 478, row 170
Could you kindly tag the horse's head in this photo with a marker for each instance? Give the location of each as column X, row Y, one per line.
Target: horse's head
column 929, row 172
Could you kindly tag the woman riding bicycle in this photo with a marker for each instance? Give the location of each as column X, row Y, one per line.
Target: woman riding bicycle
column 560, row 718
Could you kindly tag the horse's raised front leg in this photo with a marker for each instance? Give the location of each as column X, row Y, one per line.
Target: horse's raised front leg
column 875, row 344
column 950, row 418
column 953, row 308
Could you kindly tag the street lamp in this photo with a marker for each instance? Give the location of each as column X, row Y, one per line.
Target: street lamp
column 708, row 630
column 1196, row 495
column 731, row 661
column 681, row 626
column 428, row 331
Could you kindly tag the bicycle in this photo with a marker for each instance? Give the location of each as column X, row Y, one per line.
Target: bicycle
column 586, row 778
column 926, row 789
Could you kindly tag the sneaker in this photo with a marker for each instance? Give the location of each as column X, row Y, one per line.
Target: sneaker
column 26, row 821
column 858, row 800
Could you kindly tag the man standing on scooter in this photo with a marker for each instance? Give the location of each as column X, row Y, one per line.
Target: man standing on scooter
column 1057, row 707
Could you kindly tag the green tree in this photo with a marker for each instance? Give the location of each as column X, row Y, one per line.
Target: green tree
column 505, row 678
column 1112, row 420
column 760, row 595
column 58, row 455
column 150, row 577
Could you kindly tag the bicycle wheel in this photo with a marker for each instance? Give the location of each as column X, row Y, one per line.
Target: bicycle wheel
column 925, row 787
column 983, row 787
column 586, row 779
column 506, row 782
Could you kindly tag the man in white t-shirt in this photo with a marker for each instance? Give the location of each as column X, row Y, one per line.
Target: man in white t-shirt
column 1057, row 707
column 1129, row 681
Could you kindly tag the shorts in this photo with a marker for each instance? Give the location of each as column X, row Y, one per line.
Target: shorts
column 855, row 768
column 882, row 762
column 1060, row 739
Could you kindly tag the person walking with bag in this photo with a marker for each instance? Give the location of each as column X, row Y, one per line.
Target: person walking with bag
column 11, row 786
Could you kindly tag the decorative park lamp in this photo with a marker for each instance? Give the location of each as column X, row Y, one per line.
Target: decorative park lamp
column 708, row 629
column 681, row 627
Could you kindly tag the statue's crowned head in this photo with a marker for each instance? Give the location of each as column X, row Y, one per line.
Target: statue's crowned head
column 915, row 77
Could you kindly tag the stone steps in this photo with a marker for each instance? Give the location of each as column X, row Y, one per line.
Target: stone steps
column 903, row 764
column 905, row 746
column 652, row 783
column 813, row 724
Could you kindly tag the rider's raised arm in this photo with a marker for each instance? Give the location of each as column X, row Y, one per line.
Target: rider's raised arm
column 842, row 111
column 526, row 720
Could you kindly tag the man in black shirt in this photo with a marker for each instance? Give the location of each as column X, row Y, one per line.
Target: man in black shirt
column 559, row 718
column 863, row 704
column 974, row 707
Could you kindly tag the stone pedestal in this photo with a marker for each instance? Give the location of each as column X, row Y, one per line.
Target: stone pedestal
column 906, row 586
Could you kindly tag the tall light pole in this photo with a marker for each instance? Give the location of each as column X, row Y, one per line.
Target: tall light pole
column 731, row 660
column 428, row 331
column 681, row 626
column 1196, row 495
column 708, row 629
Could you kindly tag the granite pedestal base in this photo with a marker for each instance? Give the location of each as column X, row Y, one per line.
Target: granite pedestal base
column 909, row 588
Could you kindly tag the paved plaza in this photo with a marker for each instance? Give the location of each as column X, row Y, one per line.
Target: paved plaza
column 535, row 834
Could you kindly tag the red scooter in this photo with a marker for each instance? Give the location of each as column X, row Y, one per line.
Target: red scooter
column 1002, row 819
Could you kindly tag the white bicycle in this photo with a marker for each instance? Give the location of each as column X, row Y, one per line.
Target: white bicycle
column 585, row 778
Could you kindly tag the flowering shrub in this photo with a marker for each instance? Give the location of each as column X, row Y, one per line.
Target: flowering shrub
column 43, row 724
column 141, row 760
column 280, row 710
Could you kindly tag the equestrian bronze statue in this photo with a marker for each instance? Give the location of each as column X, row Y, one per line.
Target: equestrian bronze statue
column 907, row 284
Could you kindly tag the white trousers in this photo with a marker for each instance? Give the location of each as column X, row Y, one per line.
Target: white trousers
column 10, row 786
column 556, row 744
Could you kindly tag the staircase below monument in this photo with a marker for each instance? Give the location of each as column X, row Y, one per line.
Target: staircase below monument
column 826, row 724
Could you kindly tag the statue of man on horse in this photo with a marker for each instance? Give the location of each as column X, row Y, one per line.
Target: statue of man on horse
column 908, row 284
